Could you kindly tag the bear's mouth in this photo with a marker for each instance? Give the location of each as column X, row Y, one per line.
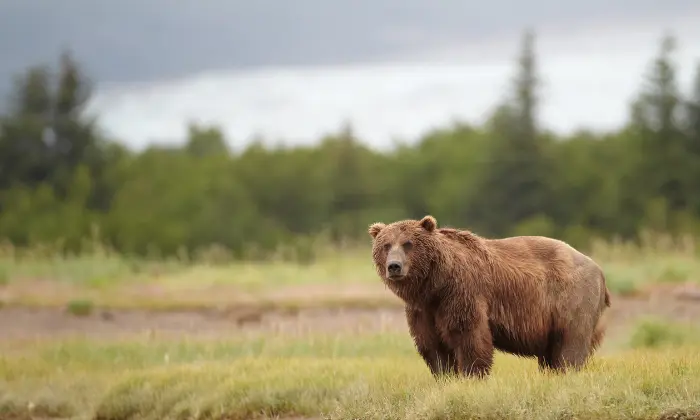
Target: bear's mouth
column 396, row 277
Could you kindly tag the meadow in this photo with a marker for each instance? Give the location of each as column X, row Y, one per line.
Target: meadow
column 102, row 336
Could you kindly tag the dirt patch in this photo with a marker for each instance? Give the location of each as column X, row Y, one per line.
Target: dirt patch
column 371, row 291
column 24, row 322
column 31, row 323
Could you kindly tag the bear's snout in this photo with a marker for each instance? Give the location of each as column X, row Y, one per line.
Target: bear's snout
column 394, row 268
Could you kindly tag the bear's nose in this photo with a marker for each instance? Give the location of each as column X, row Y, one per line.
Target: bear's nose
column 394, row 268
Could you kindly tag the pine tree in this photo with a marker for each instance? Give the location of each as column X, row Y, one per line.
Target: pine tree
column 664, row 167
column 514, row 184
column 692, row 144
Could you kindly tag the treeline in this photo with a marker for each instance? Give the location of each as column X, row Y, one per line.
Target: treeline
column 61, row 180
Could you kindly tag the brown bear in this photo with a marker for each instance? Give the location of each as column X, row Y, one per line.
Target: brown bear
column 466, row 295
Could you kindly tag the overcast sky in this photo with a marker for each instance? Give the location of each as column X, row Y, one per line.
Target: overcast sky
column 296, row 69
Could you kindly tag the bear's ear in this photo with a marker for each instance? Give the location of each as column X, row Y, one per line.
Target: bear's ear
column 375, row 228
column 428, row 223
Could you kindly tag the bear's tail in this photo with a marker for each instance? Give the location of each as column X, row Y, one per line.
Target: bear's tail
column 600, row 327
column 605, row 287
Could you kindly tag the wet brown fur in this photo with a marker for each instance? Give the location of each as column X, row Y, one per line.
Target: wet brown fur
column 466, row 295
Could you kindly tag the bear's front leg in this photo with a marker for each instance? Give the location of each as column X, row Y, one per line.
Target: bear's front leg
column 470, row 337
column 439, row 358
column 475, row 353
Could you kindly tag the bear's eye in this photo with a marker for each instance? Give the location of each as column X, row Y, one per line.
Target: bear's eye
column 407, row 245
column 387, row 247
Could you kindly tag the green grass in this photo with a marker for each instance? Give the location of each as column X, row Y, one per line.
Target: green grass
column 638, row 386
column 337, row 376
column 627, row 277
column 4, row 276
column 656, row 333
column 80, row 307
column 113, row 281
column 352, row 267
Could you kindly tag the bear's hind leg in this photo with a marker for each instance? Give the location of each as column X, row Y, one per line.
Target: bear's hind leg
column 546, row 361
column 571, row 351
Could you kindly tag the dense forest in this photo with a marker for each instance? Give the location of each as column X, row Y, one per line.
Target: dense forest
column 62, row 180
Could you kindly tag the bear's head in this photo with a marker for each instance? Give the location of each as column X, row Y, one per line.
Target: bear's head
column 402, row 251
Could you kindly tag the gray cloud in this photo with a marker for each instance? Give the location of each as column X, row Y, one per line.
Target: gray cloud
column 156, row 40
column 145, row 40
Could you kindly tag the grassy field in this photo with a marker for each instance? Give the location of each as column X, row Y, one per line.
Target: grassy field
column 336, row 376
column 648, row 367
column 344, row 277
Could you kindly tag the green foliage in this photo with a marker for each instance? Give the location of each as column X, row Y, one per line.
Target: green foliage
column 654, row 333
column 622, row 287
column 80, row 307
column 4, row 276
column 61, row 181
